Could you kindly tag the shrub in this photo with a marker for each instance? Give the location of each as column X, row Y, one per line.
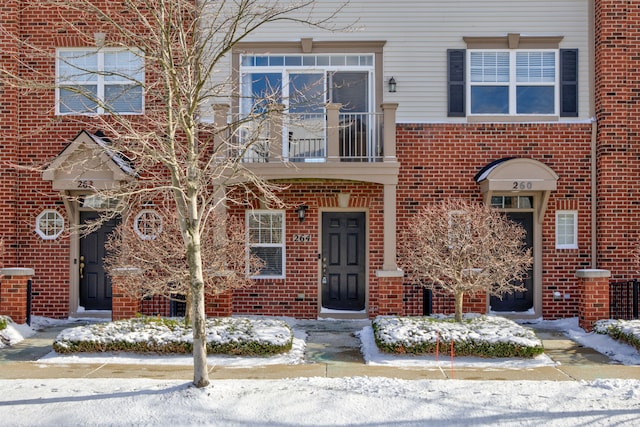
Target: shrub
column 627, row 331
column 481, row 336
column 233, row 336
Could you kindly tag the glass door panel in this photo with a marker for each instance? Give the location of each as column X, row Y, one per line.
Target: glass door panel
column 305, row 130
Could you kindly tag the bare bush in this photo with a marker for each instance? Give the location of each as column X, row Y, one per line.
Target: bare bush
column 465, row 248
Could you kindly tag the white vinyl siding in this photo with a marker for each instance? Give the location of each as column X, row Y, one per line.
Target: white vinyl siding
column 418, row 34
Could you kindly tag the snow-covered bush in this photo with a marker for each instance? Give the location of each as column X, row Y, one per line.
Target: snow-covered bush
column 482, row 336
column 226, row 335
column 627, row 331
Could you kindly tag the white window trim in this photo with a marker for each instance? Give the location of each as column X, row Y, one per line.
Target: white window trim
column 283, row 245
column 573, row 245
column 140, row 232
column 100, row 82
column 58, row 231
column 286, row 70
column 513, row 84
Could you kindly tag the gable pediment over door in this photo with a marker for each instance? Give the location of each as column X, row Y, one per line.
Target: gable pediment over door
column 88, row 163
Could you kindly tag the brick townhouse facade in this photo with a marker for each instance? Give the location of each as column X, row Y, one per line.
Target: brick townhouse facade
column 402, row 137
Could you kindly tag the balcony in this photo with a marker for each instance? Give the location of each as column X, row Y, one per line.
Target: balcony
column 335, row 145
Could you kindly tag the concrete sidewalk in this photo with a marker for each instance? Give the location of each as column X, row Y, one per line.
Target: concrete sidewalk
column 332, row 350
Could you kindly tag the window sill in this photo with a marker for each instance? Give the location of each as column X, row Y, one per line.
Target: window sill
column 511, row 119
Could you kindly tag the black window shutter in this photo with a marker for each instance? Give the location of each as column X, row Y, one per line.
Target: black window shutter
column 456, row 82
column 569, row 82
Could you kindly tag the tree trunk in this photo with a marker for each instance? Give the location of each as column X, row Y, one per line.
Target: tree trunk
column 459, row 297
column 198, row 317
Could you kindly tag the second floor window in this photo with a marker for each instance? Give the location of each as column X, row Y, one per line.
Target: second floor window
column 304, row 83
column 101, row 81
column 513, row 82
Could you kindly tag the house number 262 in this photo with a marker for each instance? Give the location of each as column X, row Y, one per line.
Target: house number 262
column 85, row 184
column 522, row 185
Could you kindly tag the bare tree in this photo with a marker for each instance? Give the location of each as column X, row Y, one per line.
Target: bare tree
column 157, row 252
column 182, row 46
column 465, row 248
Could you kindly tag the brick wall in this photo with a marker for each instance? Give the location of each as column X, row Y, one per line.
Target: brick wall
column 617, row 96
column 440, row 160
column 34, row 140
column 297, row 295
column 14, row 284
column 8, row 131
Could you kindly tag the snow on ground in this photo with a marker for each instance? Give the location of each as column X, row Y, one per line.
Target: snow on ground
column 360, row 401
column 620, row 352
column 13, row 333
column 356, row 401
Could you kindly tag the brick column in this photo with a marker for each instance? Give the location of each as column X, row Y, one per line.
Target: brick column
column 123, row 306
column 390, row 293
column 13, row 293
column 593, row 303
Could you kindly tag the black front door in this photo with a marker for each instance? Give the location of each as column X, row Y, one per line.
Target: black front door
column 343, row 261
column 518, row 301
column 95, row 284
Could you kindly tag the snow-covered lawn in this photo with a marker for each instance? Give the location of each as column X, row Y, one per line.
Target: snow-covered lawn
column 355, row 401
column 328, row 401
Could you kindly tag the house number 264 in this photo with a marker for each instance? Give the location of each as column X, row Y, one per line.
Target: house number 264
column 522, row 185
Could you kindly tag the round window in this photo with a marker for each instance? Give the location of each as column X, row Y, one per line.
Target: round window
column 148, row 224
column 49, row 224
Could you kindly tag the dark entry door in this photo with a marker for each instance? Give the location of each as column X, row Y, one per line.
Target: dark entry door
column 519, row 301
column 343, row 261
column 95, row 284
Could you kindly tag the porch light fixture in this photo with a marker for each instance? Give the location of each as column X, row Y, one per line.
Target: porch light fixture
column 392, row 85
column 302, row 209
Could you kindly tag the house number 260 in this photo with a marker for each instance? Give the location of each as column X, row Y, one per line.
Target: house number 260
column 522, row 185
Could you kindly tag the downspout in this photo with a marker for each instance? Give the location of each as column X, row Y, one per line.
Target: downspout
column 594, row 132
column 594, row 193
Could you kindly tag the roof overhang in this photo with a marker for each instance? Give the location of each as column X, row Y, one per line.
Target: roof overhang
column 517, row 174
column 88, row 163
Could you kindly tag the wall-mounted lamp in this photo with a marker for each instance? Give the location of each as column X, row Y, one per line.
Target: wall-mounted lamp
column 99, row 39
column 392, row 85
column 302, row 211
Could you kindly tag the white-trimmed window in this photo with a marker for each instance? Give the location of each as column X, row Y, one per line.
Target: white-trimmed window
column 49, row 224
column 147, row 224
column 265, row 236
column 91, row 81
column 566, row 230
column 513, row 82
column 305, row 83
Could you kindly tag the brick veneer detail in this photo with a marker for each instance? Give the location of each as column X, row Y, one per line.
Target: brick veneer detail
column 13, row 293
column 594, row 297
